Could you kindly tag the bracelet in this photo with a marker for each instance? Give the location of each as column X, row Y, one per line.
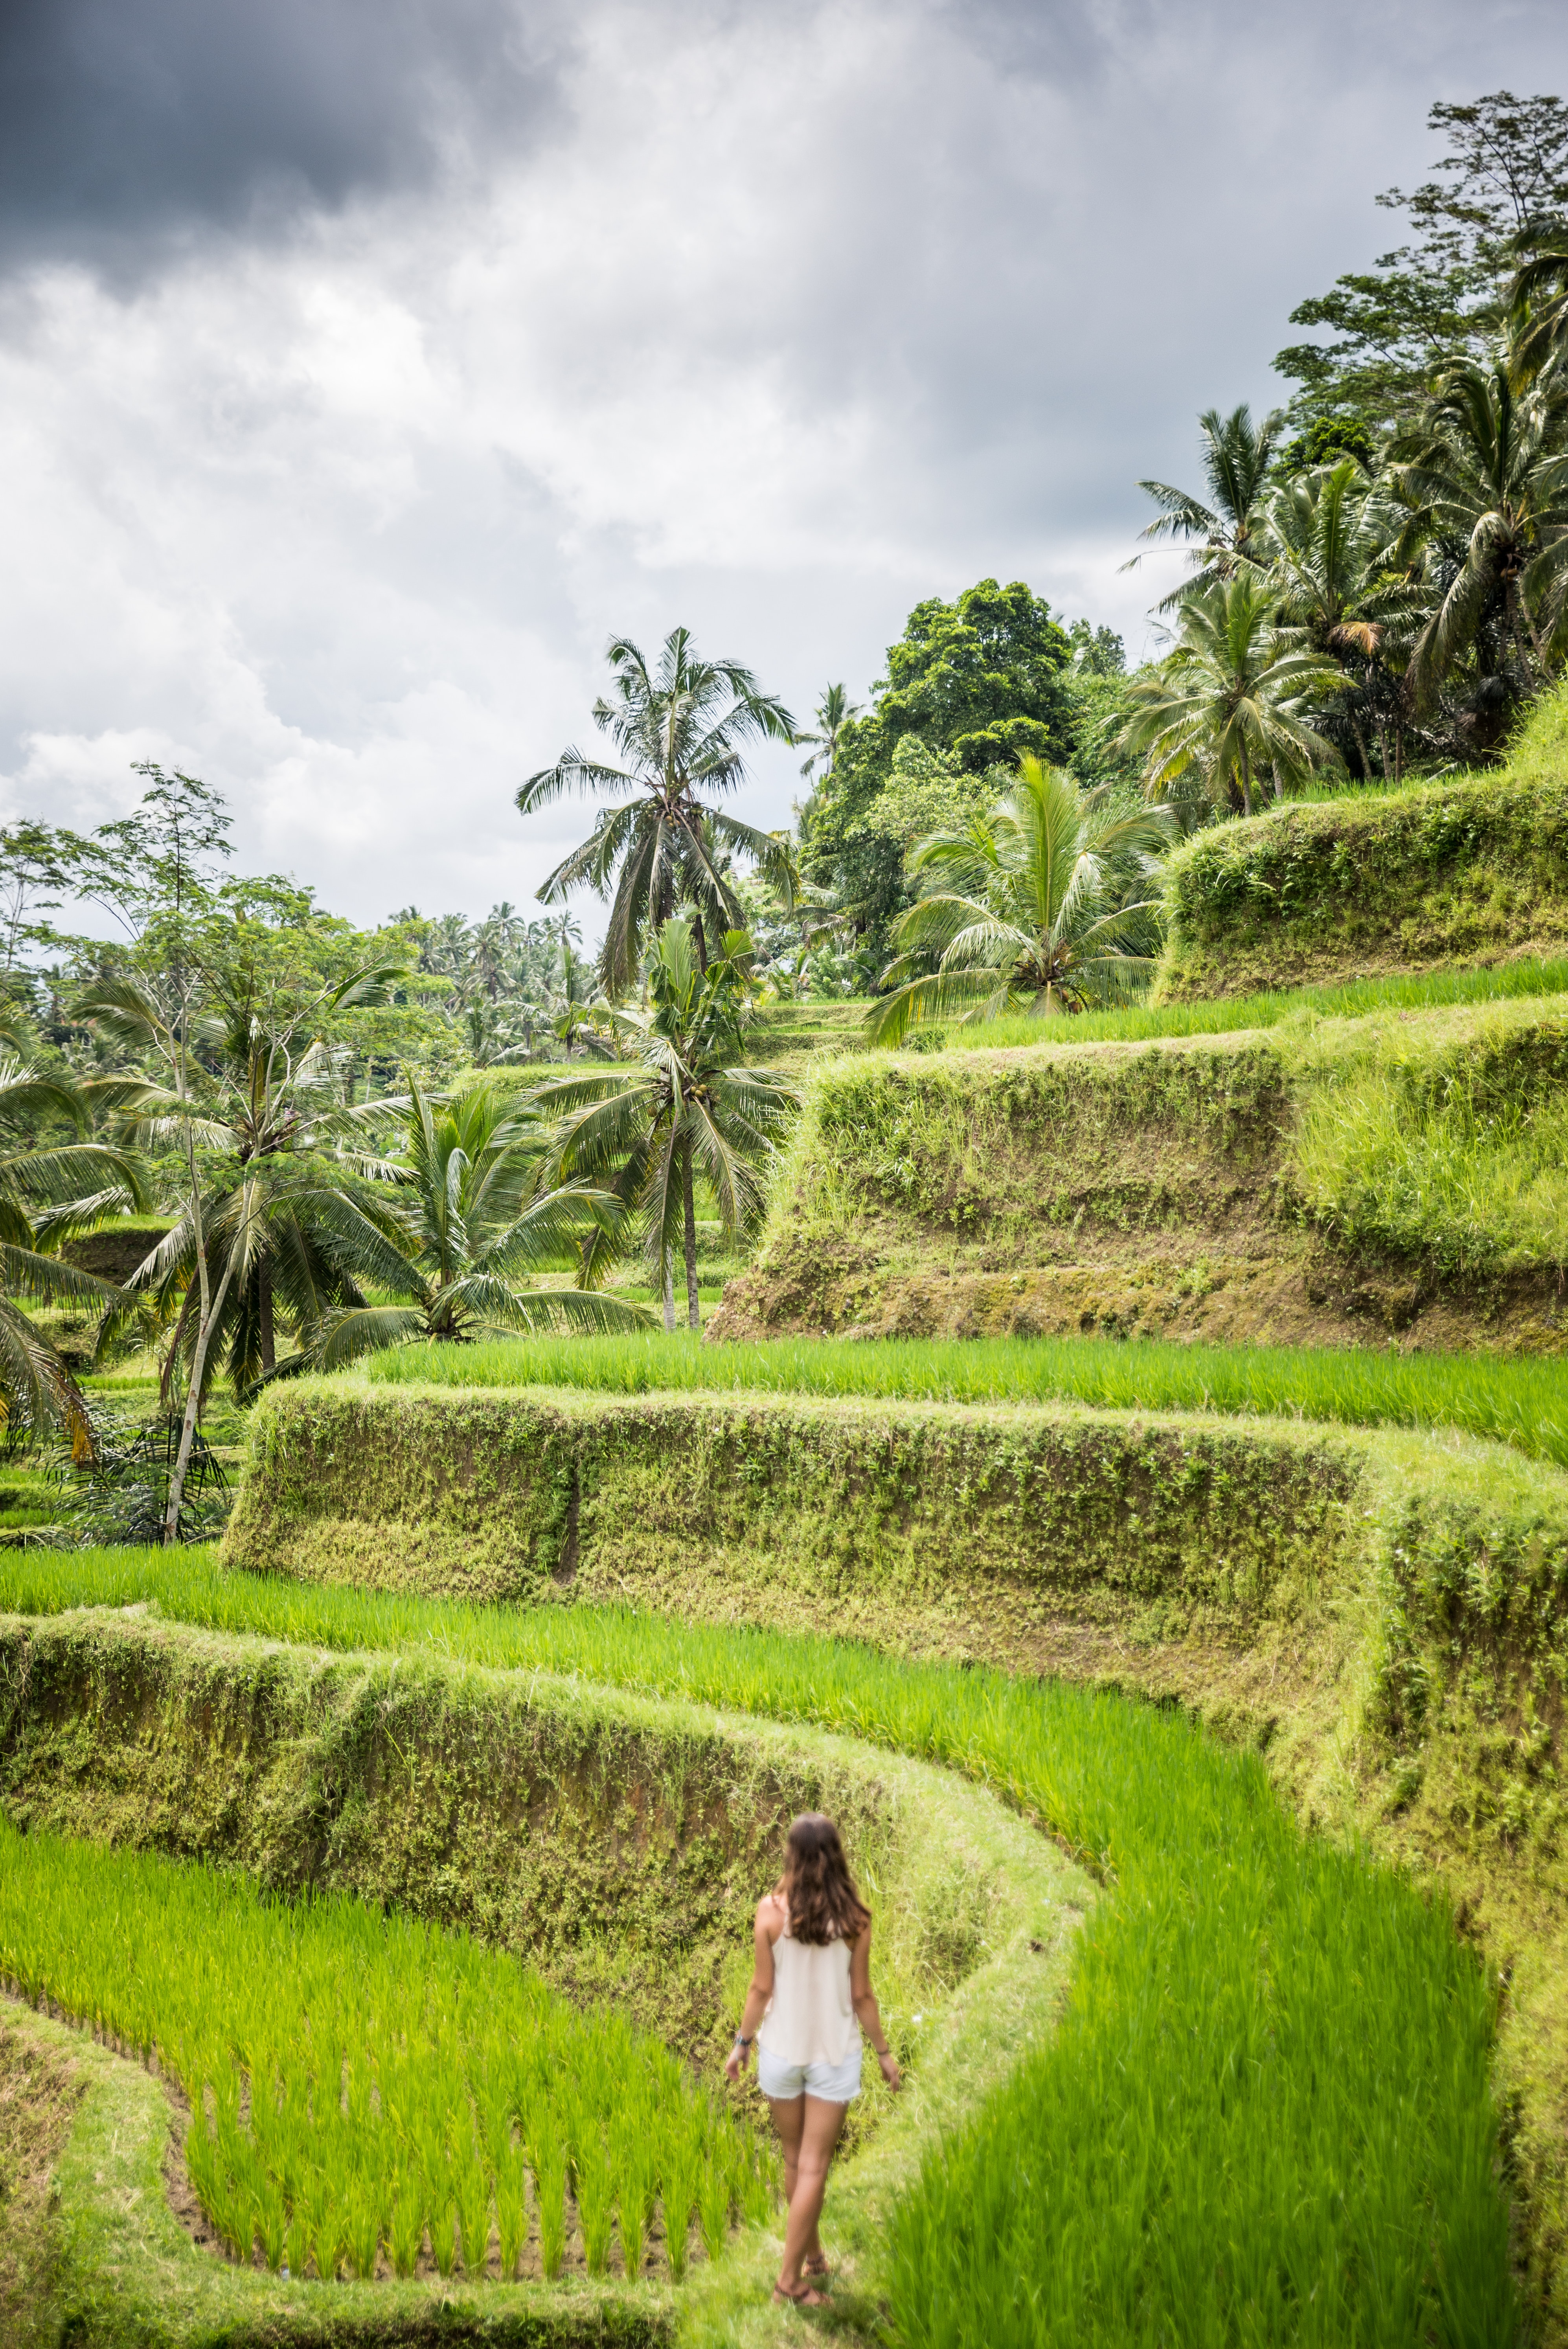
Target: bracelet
column 742, row 2043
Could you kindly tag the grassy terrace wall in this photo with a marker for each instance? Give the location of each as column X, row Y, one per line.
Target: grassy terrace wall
column 1385, row 1615
column 1321, row 1182
column 1469, row 870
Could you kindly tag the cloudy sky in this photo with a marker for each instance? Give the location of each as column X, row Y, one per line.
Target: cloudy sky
column 365, row 363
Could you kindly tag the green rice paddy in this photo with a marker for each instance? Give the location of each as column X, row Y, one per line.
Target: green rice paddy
column 1137, row 1023
column 1520, row 1400
column 1266, row 2113
column 368, row 2094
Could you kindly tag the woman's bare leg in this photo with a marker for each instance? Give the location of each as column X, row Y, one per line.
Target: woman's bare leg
column 789, row 2119
column 806, row 2161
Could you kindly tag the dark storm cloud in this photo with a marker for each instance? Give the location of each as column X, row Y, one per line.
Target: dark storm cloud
column 124, row 120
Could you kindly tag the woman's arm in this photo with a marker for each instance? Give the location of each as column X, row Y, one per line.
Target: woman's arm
column 867, row 2009
column 766, row 1931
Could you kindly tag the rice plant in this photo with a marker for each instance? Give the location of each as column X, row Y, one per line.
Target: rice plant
column 1355, row 998
column 358, row 2081
column 1520, row 1400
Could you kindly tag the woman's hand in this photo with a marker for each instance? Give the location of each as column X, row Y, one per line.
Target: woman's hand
column 890, row 2071
column 737, row 2063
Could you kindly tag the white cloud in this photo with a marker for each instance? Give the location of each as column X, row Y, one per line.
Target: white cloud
column 790, row 317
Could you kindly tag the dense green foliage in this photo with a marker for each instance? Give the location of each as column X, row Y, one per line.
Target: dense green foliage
column 1178, row 2127
column 1503, row 186
column 1516, row 1400
column 975, row 684
column 371, row 2082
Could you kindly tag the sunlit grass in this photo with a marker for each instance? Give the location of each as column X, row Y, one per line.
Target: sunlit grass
column 1520, row 1400
column 374, row 2083
column 1265, row 2115
column 1354, row 999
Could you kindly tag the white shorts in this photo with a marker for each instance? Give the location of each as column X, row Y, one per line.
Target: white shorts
column 834, row 2082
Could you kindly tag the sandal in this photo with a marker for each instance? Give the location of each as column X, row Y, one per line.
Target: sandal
column 816, row 2267
column 804, row 2298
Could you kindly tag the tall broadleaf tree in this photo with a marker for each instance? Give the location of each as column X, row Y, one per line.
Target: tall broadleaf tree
column 679, row 728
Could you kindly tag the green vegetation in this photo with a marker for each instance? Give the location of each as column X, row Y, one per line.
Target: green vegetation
column 631, row 1839
column 681, row 728
column 689, row 1107
column 1041, row 901
column 372, row 2082
column 1520, row 1400
column 1355, row 998
column 1318, row 2165
column 1464, row 870
column 1321, row 1181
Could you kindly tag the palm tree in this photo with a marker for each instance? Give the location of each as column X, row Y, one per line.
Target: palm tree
column 1229, row 702
column 679, row 732
column 1230, row 527
column 1539, row 314
column 1485, row 478
column 270, row 1106
column 1332, row 531
column 49, row 1193
column 687, row 1104
column 460, row 1228
column 834, row 712
column 1033, row 907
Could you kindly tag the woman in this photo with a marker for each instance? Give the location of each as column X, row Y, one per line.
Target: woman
column 811, row 1990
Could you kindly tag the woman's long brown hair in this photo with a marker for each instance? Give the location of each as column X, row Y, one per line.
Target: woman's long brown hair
column 824, row 1905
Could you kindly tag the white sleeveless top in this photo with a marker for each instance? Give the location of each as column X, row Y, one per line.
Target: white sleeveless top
column 810, row 2018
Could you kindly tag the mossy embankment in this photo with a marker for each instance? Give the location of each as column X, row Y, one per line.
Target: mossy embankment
column 616, row 1841
column 1383, row 1614
column 1323, row 1182
column 1468, row 870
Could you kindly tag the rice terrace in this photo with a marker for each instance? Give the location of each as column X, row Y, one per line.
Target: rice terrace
column 846, row 1612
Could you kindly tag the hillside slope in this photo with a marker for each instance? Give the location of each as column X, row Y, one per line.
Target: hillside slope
column 1326, row 1181
column 1470, row 869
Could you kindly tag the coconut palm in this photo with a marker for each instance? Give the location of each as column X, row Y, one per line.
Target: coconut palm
column 679, row 730
column 453, row 1225
column 1332, row 531
column 1231, row 526
column 1539, row 314
column 1485, row 478
column 268, row 1107
column 1229, row 702
column 49, row 1193
column 688, row 1104
column 834, row 712
column 1045, row 905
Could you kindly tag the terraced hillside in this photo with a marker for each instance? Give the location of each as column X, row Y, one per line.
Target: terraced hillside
column 1395, row 1177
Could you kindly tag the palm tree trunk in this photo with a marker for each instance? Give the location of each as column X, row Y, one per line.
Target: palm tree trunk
column 670, row 1290
column 193, row 1396
column 693, row 1305
column 1246, row 782
column 263, row 1317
